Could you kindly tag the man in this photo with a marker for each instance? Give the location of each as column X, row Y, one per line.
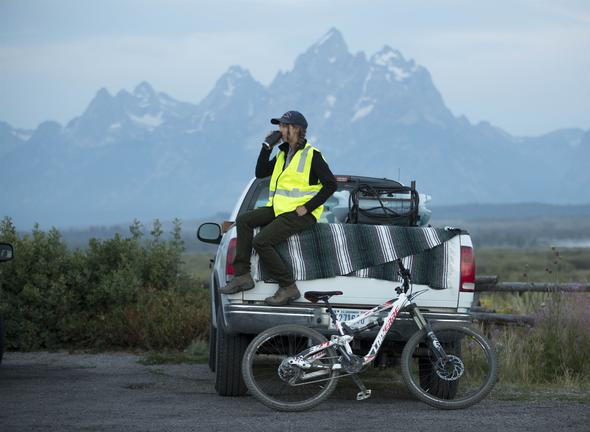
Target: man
column 300, row 184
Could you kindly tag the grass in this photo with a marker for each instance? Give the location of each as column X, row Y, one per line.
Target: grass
column 550, row 264
column 549, row 359
column 535, row 392
column 197, row 265
column 532, row 265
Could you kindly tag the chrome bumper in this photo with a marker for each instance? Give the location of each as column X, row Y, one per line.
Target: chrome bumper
column 253, row 319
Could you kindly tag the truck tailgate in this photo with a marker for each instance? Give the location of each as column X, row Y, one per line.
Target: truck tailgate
column 366, row 291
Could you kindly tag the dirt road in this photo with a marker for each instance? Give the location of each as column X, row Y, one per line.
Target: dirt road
column 112, row 392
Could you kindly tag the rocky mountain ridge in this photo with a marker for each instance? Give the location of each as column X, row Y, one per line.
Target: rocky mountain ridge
column 145, row 154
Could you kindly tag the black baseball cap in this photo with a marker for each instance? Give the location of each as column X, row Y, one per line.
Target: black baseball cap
column 291, row 117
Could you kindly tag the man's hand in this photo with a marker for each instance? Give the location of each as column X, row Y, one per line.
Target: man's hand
column 301, row 211
column 272, row 139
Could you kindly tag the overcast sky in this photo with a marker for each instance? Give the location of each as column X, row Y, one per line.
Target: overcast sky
column 522, row 65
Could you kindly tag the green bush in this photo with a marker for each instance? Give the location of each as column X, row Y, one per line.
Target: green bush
column 120, row 292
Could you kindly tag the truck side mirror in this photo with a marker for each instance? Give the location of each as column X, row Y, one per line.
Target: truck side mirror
column 209, row 233
column 6, row 252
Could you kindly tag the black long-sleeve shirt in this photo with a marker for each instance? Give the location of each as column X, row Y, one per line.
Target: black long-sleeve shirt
column 320, row 172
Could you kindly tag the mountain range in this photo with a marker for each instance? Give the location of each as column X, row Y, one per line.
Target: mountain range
column 144, row 154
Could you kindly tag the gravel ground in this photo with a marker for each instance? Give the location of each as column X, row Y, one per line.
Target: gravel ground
column 112, row 392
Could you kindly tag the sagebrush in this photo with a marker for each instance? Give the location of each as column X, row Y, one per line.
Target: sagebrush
column 127, row 292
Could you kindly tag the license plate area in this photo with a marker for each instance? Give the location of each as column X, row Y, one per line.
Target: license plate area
column 348, row 314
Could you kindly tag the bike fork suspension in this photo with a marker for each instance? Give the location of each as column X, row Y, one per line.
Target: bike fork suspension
column 430, row 336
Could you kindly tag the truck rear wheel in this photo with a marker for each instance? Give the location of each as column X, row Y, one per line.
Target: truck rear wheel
column 212, row 347
column 1, row 338
column 229, row 351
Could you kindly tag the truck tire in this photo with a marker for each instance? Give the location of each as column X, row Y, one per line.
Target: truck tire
column 212, row 337
column 438, row 387
column 1, row 338
column 229, row 351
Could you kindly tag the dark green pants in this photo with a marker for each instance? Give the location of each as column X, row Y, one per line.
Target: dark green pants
column 275, row 231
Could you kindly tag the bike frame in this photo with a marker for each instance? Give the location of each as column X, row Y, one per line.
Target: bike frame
column 343, row 340
column 394, row 305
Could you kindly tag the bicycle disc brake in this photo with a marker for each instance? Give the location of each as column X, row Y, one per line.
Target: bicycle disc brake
column 288, row 372
column 449, row 368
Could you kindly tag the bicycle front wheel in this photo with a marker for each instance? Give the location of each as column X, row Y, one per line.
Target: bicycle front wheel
column 283, row 386
column 464, row 377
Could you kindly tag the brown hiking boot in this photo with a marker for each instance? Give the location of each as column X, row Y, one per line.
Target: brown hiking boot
column 283, row 296
column 238, row 283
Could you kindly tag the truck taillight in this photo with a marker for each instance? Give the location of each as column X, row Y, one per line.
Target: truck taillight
column 231, row 254
column 467, row 282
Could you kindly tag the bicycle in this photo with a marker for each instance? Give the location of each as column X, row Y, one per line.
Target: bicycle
column 294, row 368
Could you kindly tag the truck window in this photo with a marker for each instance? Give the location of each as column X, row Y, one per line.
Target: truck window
column 335, row 208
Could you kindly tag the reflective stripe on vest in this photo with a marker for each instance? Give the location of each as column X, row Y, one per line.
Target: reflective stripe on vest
column 301, row 166
column 294, row 193
column 290, row 188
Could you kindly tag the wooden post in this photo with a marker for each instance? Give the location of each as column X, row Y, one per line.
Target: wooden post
column 486, row 280
column 487, row 283
column 503, row 318
column 532, row 287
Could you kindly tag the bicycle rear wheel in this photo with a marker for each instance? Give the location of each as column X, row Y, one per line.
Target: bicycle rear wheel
column 285, row 387
column 463, row 378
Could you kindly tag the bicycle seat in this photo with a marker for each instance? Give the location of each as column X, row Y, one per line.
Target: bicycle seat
column 315, row 296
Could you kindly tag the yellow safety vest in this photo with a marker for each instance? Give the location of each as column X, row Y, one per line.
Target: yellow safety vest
column 290, row 188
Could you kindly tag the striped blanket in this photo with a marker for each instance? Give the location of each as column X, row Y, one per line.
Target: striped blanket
column 329, row 250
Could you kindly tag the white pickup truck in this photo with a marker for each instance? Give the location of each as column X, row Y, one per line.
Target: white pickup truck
column 237, row 318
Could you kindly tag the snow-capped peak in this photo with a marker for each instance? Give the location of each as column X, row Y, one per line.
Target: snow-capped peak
column 333, row 35
column 143, row 89
column 227, row 83
column 331, row 44
column 387, row 55
column 237, row 72
column 145, row 93
column 394, row 62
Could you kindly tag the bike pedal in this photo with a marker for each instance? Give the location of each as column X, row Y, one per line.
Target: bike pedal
column 362, row 395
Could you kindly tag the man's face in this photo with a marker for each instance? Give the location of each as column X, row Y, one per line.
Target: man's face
column 285, row 130
column 289, row 132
